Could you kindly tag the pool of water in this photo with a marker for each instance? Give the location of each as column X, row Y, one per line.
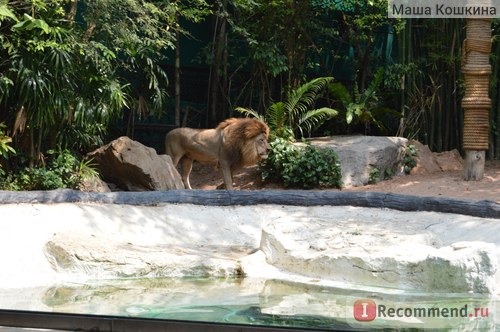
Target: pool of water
column 260, row 302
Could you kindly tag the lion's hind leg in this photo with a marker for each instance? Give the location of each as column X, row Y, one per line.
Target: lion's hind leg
column 186, row 167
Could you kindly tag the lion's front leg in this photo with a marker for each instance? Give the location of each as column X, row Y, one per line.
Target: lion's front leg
column 228, row 176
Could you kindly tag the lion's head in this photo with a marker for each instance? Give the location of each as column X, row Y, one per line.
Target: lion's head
column 246, row 140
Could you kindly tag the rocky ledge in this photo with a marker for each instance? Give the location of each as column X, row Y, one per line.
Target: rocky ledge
column 341, row 246
column 350, row 253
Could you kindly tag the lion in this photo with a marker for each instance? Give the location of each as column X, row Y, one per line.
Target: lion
column 233, row 144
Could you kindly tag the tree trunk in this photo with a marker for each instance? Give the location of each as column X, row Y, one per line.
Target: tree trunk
column 218, row 53
column 474, row 164
column 72, row 12
column 482, row 208
column 476, row 102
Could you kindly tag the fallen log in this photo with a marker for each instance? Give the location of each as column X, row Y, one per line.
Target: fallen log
column 481, row 208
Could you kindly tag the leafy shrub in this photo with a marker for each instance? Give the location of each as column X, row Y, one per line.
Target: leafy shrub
column 63, row 170
column 374, row 176
column 363, row 106
column 38, row 178
column 301, row 167
column 389, row 173
column 5, row 148
column 409, row 160
column 5, row 141
column 281, row 158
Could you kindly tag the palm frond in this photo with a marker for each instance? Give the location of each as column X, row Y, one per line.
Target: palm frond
column 340, row 92
column 277, row 115
column 248, row 112
column 304, row 97
column 314, row 118
column 373, row 87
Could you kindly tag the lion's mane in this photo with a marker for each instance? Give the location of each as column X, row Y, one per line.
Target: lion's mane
column 238, row 142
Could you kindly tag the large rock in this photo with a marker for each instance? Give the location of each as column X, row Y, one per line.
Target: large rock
column 94, row 184
column 364, row 253
column 432, row 162
column 425, row 160
column 136, row 167
column 331, row 246
column 350, row 251
column 103, row 258
column 363, row 156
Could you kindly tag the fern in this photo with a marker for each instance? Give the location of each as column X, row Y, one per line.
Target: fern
column 363, row 106
column 339, row 91
column 314, row 118
column 295, row 114
column 249, row 112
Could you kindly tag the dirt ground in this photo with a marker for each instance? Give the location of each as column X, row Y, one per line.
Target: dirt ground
column 441, row 183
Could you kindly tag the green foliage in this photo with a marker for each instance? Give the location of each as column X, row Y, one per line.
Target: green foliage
column 38, row 178
column 63, row 170
column 63, row 81
column 374, row 176
column 409, row 159
column 6, row 13
column 363, row 106
column 5, row 148
column 278, row 35
column 301, row 167
column 135, row 35
column 348, row 6
column 281, row 158
column 192, row 10
column 362, row 26
column 294, row 115
column 280, row 42
column 5, row 144
column 431, row 88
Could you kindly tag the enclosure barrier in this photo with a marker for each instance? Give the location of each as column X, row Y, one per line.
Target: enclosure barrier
column 90, row 323
column 481, row 208
column 76, row 322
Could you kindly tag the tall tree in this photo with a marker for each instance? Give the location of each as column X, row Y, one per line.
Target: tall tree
column 191, row 11
column 217, row 83
column 62, row 81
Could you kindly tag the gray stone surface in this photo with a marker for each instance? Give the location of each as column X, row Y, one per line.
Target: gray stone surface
column 365, row 249
column 99, row 257
column 94, row 185
column 363, row 253
column 135, row 167
column 361, row 155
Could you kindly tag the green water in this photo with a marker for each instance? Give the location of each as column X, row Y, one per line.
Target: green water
column 262, row 302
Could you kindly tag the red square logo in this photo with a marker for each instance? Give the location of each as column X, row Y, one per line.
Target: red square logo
column 365, row 310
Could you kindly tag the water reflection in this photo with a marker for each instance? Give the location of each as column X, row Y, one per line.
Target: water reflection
column 258, row 302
